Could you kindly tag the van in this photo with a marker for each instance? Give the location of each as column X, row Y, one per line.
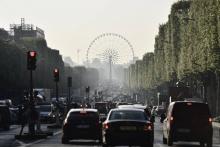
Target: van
column 188, row 121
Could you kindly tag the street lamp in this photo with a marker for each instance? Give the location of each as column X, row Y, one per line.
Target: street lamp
column 158, row 97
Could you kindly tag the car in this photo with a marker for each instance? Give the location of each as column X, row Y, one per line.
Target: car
column 46, row 112
column 188, row 121
column 121, row 103
column 159, row 110
column 14, row 115
column 102, row 108
column 5, row 117
column 127, row 127
column 82, row 123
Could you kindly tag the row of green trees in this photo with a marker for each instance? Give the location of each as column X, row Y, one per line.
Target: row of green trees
column 14, row 76
column 187, row 48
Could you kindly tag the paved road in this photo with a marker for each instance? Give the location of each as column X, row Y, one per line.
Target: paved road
column 54, row 141
column 7, row 139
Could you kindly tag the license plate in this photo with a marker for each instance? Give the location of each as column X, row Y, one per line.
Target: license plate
column 183, row 130
column 82, row 126
column 128, row 128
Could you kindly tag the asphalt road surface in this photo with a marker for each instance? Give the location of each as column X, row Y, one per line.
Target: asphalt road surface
column 55, row 141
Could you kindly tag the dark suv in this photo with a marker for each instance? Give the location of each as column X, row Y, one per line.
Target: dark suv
column 81, row 124
column 188, row 121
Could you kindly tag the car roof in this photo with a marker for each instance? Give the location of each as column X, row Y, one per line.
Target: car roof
column 132, row 106
column 100, row 102
column 195, row 102
column 127, row 109
column 83, row 109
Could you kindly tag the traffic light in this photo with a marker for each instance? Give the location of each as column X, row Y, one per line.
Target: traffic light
column 56, row 74
column 31, row 60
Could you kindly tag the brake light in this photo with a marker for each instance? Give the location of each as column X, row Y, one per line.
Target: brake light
column 106, row 126
column 171, row 118
column 148, row 128
column 189, row 104
column 210, row 120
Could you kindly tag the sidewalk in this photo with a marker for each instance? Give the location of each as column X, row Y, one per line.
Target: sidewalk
column 7, row 138
column 216, row 132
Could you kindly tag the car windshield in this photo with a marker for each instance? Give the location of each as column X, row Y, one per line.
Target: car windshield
column 128, row 115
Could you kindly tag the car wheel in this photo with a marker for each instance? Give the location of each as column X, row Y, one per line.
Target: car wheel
column 164, row 140
column 100, row 141
column 169, row 140
column 64, row 140
column 202, row 144
column 209, row 143
column 151, row 145
column 105, row 145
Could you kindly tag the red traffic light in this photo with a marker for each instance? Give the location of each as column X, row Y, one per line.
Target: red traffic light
column 32, row 53
column 56, row 70
column 56, row 74
column 31, row 60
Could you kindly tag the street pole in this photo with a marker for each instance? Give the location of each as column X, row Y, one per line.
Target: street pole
column 158, row 96
column 69, row 85
column 31, row 125
column 57, row 99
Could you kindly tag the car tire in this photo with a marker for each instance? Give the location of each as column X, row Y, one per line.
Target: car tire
column 151, row 145
column 64, row 140
column 202, row 144
column 209, row 143
column 169, row 140
column 164, row 140
column 105, row 145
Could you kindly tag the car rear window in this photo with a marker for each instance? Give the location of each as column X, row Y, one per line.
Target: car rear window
column 83, row 116
column 191, row 110
column 128, row 115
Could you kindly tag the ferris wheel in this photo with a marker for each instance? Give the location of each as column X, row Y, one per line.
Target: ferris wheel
column 110, row 47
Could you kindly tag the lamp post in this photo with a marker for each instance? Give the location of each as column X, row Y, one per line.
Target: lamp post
column 158, row 98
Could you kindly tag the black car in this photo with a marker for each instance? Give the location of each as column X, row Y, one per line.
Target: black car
column 127, row 127
column 81, row 124
column 5, row 119
column 188, row 121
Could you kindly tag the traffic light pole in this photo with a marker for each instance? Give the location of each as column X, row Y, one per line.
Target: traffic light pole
column 31, row 125
column 57, row 99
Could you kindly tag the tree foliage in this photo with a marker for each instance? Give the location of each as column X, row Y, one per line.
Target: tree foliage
column 188, row 44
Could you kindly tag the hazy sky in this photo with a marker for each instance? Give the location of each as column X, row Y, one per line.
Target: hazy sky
column 71, row 25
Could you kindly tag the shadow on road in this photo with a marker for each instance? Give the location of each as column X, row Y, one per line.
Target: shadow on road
column 84, row 142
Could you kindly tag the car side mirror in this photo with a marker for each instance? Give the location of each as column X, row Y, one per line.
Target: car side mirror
column 162, row 117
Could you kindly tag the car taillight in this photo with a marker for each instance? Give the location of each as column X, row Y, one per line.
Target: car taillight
column 210, row 120
column 148, row 127
column 105, row 126
column 171, row 118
